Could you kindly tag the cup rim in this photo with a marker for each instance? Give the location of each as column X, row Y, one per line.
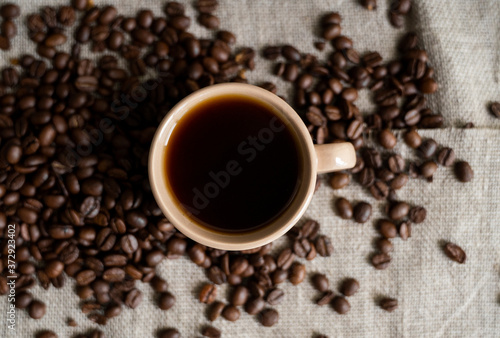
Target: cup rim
column 225, row 241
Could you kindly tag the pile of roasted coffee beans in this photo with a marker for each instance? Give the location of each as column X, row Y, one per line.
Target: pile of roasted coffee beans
column 75, row 135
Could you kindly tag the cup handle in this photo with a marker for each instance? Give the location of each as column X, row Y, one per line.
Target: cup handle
column 335, row 156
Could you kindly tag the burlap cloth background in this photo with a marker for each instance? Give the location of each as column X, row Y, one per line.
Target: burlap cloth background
column 437, row 297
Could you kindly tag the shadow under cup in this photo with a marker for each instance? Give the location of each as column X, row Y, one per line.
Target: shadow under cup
column 232, row 167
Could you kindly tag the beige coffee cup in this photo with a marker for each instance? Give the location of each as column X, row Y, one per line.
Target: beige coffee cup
column 316, row 159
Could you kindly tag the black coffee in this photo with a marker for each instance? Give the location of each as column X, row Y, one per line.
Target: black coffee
column 232, row 164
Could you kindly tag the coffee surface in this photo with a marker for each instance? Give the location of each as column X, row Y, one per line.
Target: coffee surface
column 232, row 164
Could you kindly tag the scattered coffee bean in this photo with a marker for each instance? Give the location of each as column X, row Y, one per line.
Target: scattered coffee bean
column 404, row 230
column 399, row 211
column 269, row 317
column 211, row 332
column 275, row 296
column 427, row 149
column 166, row 300
column 389, row 304
column 427, row 169
column 446, row 157
column 385, row 246
column 297, row 273
column 254, row 306
column 417, row 214
column 240, row 295
column 349, row 287
column 463, row 171
column 362, row 212
column 324, row 246
column 231, row 313
column 495, row 109
column 387, row 229
column 37, row 309
column 369, row 4
column 216, row 310
column 341, row 305
column 344, row 208
column 339, row 180
column 208, row 294
column 320, row 282
column 46, row 334
column 387, row 139
column 455, row 253
column 413, row 139
column 381, row 261
column 169, row 333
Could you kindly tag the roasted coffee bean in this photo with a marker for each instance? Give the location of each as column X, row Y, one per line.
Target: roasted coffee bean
column 339, row 180
column 36, row 309
column 320, row 282
column 399, row 211
column 297, row 273
column 159, row 284
column 495, row 109
column 254, row 306
column 269, row 317
column 113, row 275
column 208, row 293
column 399, row 181
column 209, row 21
column 362, row 212
column 285, row 259
column 427, row 169
column 413, row 139
column 387, row 229
column 133, row 298
column 46, row 334
column 379, row 190
column 427, row 149
column 215, row 310
column 369, row 4
column 10, row 11
column 446, row 157
column 166, row 300
column 323, row 246
column 367, row 177
column 387, row 139
column 463, row 171
column 275, row 296
column 344, row 208
column 290, row 53
column 168, row 333
column 404, row 230
column 113, row 311
column 341, row 305
column 211, row 332
column 85, row 277
column 216, row 275
column 384, row 245
column 396, row 164
column 381, row 261
column 455, row 253
column 231, row 313
column 389, row 304
column 417, row 214
column 240, row 295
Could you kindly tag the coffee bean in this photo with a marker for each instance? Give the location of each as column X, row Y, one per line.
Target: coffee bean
column 455, row 253
column 341, row 305
column 211, row 332
column 367, row 177
column 399, row 211
column 379, row 190
column 166, row 300
column 46, row 334
column 208, row 20
column 417, row 214
column 169, row 333
column 369, row 4
column 446, row 157
column 387, row 229
column 381, row 261
column 320, row 282
column 349, row 287
column 215, row 310
column 85, row 277
column 362, row 212
column 297, row 273
column 344, row 208
column 290, row 53
column 339, row 180
column 427, row 149
column 495, row 109
column 404, row 230
column 10, row 11
column 269, row 317
column 389, row 304
column 231, row 313
column 463, row 171
column 385, row 246
column 323, row 246
column 413, row 139
column 275, row 296
column 36, row 309
column 427, row 169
